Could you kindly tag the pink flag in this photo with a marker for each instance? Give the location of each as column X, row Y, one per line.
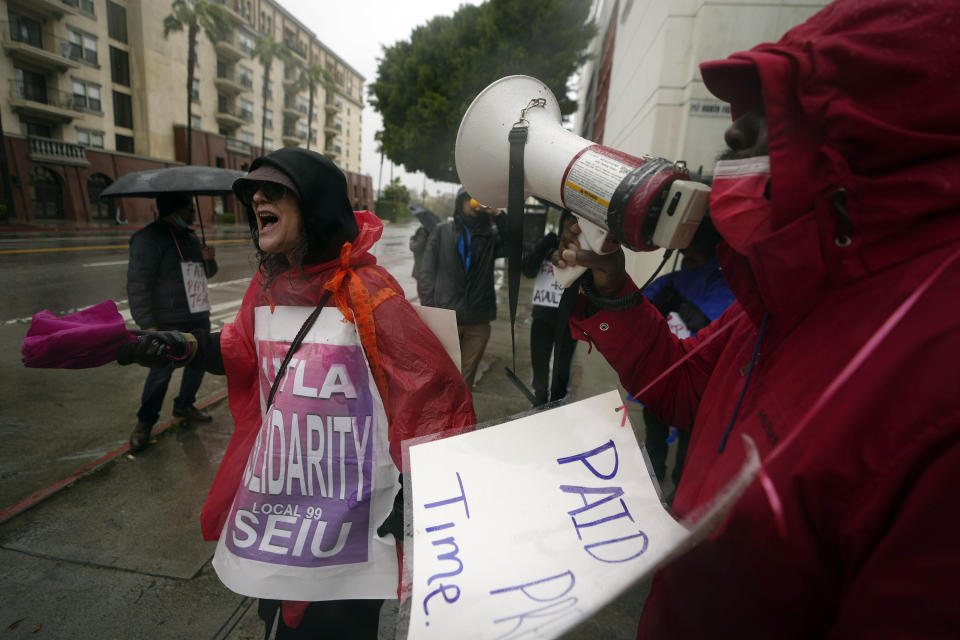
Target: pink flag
column 88, row 338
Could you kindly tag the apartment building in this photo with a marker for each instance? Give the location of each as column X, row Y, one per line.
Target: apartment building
column 95, row 90
column 642, row 92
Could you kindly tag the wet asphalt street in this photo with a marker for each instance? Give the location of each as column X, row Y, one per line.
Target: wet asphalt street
column 117, row 552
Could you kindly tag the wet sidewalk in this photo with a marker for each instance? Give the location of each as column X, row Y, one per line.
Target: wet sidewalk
column 119, row 554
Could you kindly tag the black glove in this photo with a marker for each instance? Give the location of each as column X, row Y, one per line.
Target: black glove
column 394, row 522
column 158, row 349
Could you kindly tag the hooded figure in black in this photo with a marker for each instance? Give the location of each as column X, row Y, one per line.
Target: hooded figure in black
column 457, row 273
column 321, row 187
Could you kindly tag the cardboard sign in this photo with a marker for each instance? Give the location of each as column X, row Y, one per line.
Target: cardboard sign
column 195, row 285
column 546, row 291
column 526, row 529
column 443, row 324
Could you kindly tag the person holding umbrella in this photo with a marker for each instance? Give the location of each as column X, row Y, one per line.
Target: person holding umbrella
column 167, row 290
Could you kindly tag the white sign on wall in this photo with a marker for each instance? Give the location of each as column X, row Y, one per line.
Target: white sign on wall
column 525, row 529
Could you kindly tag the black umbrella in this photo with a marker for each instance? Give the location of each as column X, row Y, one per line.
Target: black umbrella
column 196, row 181
column 426, row 217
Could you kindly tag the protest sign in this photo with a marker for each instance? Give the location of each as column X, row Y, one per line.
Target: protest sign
column 319, row 479
column 546, row 291
column 195, row 285
column 527, row 528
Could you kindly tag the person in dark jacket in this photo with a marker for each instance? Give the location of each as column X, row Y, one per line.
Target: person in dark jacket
column 549, row 329
column 167, row 289
column 690, row 298
column 457, row 273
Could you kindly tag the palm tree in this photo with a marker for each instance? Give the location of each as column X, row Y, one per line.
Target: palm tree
column 196, row 15
column 310, row 78
column 265, row 50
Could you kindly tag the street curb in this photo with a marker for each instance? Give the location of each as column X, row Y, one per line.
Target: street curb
column 39, row 496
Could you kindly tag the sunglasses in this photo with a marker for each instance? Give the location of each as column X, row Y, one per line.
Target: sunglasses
column 272, row 191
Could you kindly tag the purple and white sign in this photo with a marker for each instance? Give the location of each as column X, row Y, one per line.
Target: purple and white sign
column 319, row 479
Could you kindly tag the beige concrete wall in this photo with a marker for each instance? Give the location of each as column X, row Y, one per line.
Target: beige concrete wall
column 656, row 93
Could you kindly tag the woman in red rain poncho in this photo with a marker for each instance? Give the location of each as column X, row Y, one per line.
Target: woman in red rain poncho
column 308, row 477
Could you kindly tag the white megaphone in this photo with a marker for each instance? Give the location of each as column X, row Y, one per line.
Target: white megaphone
column 644, row 203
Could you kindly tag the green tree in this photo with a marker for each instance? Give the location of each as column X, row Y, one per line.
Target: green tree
column 266, row 49
column 425, row 84
column 194, row 16
column 310, row 78
column 396, row 192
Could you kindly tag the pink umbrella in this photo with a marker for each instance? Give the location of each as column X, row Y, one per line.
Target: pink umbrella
column 81, row 340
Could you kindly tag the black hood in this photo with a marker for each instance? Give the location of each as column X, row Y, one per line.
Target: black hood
column 324, row 202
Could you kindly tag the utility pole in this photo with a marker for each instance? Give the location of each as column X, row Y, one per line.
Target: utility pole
column 380, row 181
column 5, row 170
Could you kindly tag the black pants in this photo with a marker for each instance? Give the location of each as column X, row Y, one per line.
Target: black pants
column 547, row 339
column 329, row 620
column 657, row 448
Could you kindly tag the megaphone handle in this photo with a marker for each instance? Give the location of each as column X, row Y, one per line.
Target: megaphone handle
column 591, row 238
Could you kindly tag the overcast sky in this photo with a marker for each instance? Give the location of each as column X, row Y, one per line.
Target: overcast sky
column 356, row 30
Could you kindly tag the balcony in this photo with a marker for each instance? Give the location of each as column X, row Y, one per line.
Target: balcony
column 331, row 152
column 232, row 10
column 332, row 129
column 57, row 152
column 332, row 105
column 293, row 110
column 233, row 83
column 293, row 137
column 238, row 146
column 297, row 48
column 229, row 50
column 40, row 100
column 233, row 118
column 55, row 9
column 39, row 50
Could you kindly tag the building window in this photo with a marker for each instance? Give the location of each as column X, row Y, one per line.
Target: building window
column 86, row 96
column 246, row 109
column 246, row 77
column 120, row 66
column 84, row 5
column 83, row 46
column 268, row 118
column 245, row 42
column 313, row 135
column 124, row 143
column 47, row 194
column 301, row 131
column 90, row 138
column 267, row 144
column 303, row 105
column 116, row 21
column 196, row 122
column 30, row 85
column 25, row 30
column 246, row 136
column 195, row 90
column 95, row 186
column 122, row 110
column 34, row 129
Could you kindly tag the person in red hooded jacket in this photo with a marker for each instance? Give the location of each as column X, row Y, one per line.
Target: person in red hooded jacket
column 312, row 467
column 839, row 200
